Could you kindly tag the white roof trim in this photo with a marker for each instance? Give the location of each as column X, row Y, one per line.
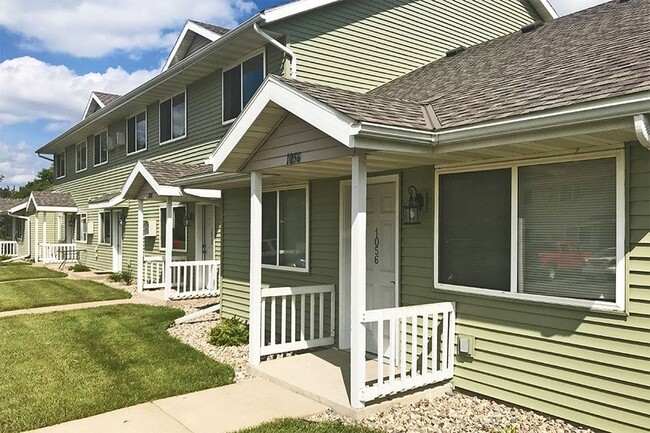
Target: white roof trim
column 189, row 27
column 545, row 9
column 31, row 204
column 18, row 207
column 108, row 203
column 294, row 8
column 323, row 117
column 93, row 98
column 160, row 190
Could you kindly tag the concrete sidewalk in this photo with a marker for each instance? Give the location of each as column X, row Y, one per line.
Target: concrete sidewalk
column 218, row 410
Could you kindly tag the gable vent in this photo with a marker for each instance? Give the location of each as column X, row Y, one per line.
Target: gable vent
column 532, row 27
column 452, row 53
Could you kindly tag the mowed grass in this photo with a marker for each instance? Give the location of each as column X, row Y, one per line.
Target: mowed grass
column 27, row 272
column 292, row 425
column 69, row 365
column 19, row 294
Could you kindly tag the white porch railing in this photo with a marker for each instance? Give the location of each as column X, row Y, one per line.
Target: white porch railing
column 154, row 272
column 194, row 279
column 301, row 320
column 8, row 248
column 58, row 253
column 428, row 331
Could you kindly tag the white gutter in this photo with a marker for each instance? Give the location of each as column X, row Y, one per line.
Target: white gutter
column 642, row 129
column 29, row 240
column 278, row 45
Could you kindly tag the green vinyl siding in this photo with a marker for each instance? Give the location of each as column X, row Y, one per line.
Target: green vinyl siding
column 588, row 367
column 362, row 44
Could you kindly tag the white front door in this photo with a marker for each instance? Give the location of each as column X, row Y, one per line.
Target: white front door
column 380, row 258
column 116, row 240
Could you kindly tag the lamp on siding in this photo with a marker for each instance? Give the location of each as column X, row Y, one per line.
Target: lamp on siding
column 411, row 209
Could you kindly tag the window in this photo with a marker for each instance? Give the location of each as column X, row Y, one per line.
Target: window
column 59, row 165
column 105, row 227
column 136, row 133
column 284, row 228
column 82, row 156
column 19, row 229
column 179, row 231
column 542, row 231
column 240, row 84
column 81, row 227
column 101, row 148
column 172, row 118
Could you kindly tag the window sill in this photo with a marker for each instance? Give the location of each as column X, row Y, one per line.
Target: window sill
column 82, row 170
column 577, row 304
column 101, row 163
column 228, row 122
column 286, row 268
column 182, row 137
column 137, row 151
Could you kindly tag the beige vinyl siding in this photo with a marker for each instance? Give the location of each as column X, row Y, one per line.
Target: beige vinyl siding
column 588, row 367
column 361, row 44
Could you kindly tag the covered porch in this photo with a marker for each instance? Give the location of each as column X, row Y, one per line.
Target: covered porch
column 13, row 228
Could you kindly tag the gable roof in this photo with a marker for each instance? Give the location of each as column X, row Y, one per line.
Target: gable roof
column 51, row 201
column 194, row 33
column 215, row 29
column 6, row 204
column 97, row 101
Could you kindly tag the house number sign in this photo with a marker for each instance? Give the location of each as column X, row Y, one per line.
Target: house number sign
column 376, row 246
column 294, row 158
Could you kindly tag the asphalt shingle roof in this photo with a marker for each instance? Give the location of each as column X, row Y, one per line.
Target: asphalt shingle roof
column 53, row 199
column 216, row 29
column 104, row 197
column 106, row 98
column 165, row 173
column 7, row 203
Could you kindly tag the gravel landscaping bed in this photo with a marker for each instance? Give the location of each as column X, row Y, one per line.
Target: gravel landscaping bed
column 195, row 334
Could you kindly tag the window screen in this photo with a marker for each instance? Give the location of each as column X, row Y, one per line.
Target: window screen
column 166, row 121
column 232, row 93
column 290, row 229
column 253, row 75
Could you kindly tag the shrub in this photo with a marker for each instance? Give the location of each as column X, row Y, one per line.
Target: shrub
column 229, row 332
column 79, row 267
column 125, row 277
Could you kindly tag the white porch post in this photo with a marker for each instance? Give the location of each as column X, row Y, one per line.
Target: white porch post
column 36, row 237
column 140, row 240
column 169, row 240
column 255, row 270
column 45, row 257
column 358, row 279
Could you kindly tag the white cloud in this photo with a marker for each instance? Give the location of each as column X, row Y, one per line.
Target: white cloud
column 564, row 7
column 19, row 164
column 94, row 28
column 33, row 90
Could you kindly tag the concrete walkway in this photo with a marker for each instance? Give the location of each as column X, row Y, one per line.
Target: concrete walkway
column 218, row 410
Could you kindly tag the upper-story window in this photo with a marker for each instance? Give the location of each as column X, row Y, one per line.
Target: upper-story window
column 101, row 148
column 59, row 165
column 240, row 83
column 81, row 162
column 136, row 133
column 173, row 118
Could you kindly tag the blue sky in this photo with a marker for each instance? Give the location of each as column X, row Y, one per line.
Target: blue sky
column 54, row 53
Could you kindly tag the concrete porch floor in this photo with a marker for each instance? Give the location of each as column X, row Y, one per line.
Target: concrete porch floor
column 323, row 375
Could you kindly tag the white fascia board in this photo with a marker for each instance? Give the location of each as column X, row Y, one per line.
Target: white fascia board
column 193, row 27
column 18, row 208
column 92, row 98
column 294, row 8
column 64, row 209
column 160, row 190
column 319, row 115
column 545, row 9
column 202, row 192
column 107, row 204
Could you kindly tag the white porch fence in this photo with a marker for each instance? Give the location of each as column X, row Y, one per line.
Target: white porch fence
column 294, row 318
column 58, row 253
column 420, row 348
column 8, row 248
column 189, row 279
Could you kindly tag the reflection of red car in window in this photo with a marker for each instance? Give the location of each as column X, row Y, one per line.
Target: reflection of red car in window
column 565, row 257
column 178, row 244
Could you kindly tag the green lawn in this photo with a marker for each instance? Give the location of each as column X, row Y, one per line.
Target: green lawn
column 61, row 366
column 15, row 295
column 291, row 425
column 27, row 272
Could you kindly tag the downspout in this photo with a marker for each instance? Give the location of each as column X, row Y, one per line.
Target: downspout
column 29, row 240
column 642, row 129
column 278, row 45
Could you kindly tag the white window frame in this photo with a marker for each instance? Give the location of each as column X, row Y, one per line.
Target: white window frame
column 57, row 160
column 171, row 118
column 76, row 155
column 146, row 127
column 161, row 235
column 101, row 220
column 18, row 229
column 240, row 63
column 620, row 299
column 107, row 152
column 79, row 235
column 277, row 191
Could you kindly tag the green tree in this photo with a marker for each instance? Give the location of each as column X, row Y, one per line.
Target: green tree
column 44, row 180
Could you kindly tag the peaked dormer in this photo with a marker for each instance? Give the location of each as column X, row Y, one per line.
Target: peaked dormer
column 195, row 35
column 97, row 101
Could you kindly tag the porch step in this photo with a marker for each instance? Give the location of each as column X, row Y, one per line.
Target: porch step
column 323, row 376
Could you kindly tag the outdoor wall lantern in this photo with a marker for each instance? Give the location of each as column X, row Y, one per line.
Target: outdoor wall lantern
column 411, row 209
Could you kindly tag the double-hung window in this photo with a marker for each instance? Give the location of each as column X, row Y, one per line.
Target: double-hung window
column 101, row 148
column 551, row 232
column 136, row 133
column 19, row 229
column 285, row 226
column 173, row 118
column 105, row 227
column 59, row 165
column 81, row 227
column 240, row 83
column 81, row 160
column 179, row 230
